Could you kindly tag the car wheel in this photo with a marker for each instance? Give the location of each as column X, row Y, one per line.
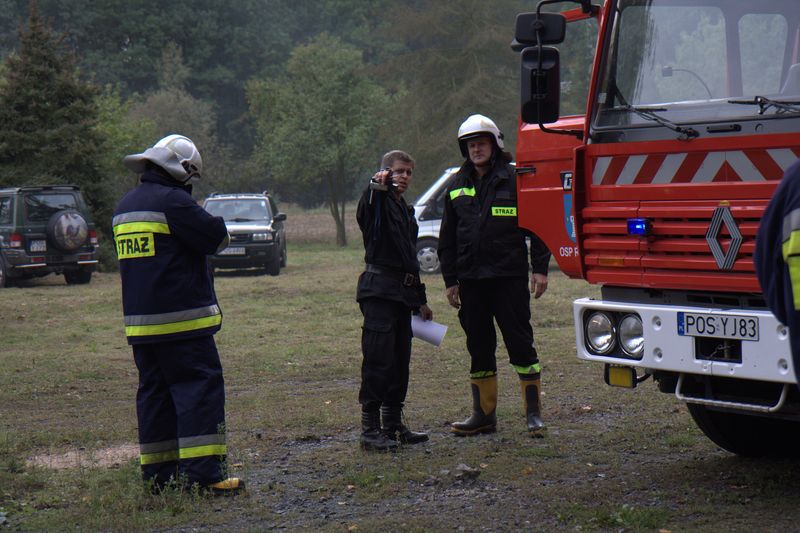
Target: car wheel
column 78, row 277
column 283, row 255
column 274, row 267
column 3, row 274
column 67, row 230
column 427, row 255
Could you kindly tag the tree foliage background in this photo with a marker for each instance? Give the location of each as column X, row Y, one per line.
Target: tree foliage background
column 255, row 84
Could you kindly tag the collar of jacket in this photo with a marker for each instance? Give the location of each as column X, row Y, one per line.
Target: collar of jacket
column 151, row 176
column 499, row 169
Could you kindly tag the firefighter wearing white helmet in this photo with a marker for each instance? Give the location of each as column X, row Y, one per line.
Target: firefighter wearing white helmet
column 475, row 126
column 171, row 313
column 175, row 154
column 485, row 265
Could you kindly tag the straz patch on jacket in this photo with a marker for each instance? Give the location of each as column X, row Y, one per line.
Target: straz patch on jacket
column 132, row 245
column 504, row 211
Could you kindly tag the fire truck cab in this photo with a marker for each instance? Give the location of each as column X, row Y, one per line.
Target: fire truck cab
column 692, row 117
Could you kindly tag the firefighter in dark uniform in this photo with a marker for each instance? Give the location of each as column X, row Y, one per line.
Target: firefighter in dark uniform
column 484, row 261
column 389, row 290
column 171, row 314
column 777, row 257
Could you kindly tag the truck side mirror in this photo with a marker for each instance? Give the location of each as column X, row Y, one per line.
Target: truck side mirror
column 551, row 27
column 541, row 85
column 280, row 217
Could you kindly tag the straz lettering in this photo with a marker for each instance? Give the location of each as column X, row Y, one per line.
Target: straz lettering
column 135, row 245
column 504, row 211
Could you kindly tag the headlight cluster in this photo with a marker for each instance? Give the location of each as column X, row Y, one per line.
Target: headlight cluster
column 262, row 237
column 614, row 333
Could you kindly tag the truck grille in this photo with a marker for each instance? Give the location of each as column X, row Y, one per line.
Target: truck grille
column 677, row 254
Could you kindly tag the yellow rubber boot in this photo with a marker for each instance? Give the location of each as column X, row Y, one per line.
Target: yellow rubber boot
column 484, row 403
column 230, row 486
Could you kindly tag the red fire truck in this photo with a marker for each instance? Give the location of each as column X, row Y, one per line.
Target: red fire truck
column 691, row 118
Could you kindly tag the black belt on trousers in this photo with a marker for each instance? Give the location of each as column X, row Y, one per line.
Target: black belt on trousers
column 406, row 278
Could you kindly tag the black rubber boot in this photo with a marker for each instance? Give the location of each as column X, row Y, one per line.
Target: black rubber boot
column 394, row 429
column 531, row 386
column 372, row 438
column 484, row 403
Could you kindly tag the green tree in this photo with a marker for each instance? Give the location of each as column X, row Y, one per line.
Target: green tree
column 172, row 109
column 48, row 116
column 316, row 128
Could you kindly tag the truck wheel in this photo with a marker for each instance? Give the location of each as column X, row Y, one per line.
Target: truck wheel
column 747, row 435
column 427, row 256
column 284, row 257
column 78, row 277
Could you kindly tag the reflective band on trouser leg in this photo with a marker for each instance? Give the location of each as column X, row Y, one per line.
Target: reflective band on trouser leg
column 535, row 368
column 203, row 451
column 482, row 374
column 794, row 275
column 174, row 327
column 465, row 191
column 158, row 452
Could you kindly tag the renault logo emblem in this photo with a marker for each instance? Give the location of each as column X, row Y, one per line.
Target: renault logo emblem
column 722, row 215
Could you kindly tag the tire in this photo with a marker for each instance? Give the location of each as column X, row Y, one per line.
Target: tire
column 284, row 258
column 427, row 249
column 748, row 435
column 67, row 230
column 273, row 268
column 3, row 274
column 78, row 277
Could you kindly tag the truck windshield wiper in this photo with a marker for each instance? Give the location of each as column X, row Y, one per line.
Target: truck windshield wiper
column 764, row 104
column 648, row 113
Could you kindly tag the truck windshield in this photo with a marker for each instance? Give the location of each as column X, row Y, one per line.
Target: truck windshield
column 686, row 60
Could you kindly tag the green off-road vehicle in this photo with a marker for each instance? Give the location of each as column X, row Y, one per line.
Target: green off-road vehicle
column 44, row 230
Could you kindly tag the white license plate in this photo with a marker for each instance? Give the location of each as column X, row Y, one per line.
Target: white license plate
column 742, row 327
column 233, row 250
column 39, row 246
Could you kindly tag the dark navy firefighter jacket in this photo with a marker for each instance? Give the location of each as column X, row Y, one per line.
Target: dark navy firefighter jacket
column 480, row 237
column 162, row 239
column 777, row 256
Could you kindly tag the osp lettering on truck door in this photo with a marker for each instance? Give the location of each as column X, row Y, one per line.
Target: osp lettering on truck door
column 135, row 245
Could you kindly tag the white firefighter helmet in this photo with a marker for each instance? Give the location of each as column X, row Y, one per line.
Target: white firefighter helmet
column 475, row 126
column 176, row 154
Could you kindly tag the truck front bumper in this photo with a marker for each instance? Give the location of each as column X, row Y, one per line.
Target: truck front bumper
column 669, row 348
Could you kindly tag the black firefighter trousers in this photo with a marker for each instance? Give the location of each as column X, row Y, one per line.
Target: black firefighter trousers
column 508, row 301
column 386, row 347
column 180, row 405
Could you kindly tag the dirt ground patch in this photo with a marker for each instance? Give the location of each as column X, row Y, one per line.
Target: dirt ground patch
column 110, row 457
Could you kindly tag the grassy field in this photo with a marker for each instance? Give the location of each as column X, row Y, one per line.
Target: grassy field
column 613, row 461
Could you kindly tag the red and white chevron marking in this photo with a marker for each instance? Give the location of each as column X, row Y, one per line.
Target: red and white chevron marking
column 694, row 167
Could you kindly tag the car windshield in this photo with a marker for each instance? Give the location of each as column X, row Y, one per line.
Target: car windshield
column 39, row 207
column 699, row 61
column 240, row 210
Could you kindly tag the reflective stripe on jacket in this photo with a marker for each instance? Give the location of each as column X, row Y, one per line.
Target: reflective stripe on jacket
column 162, row 238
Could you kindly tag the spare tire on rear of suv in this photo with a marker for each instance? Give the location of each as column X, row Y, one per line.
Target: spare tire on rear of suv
column 67, row 230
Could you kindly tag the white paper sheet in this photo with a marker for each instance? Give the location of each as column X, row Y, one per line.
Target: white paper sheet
column 427, row 330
